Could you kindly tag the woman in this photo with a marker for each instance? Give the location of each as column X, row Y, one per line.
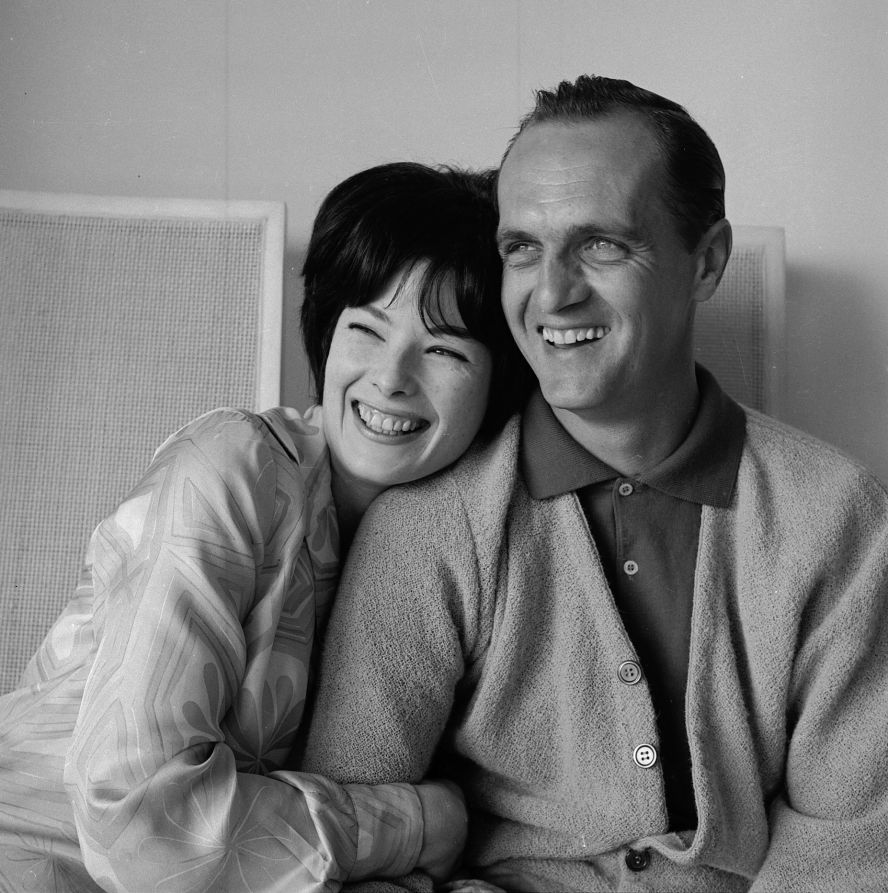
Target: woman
column 140, row 752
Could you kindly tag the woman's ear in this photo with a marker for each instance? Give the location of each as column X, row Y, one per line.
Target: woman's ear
column 712, row 255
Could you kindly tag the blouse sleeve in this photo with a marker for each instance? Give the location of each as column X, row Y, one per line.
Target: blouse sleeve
column 187, row 636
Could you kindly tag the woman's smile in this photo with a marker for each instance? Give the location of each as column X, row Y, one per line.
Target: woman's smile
column 392, row 426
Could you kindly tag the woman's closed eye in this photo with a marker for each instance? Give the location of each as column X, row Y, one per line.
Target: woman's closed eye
column 448, row 352
column 364, row 330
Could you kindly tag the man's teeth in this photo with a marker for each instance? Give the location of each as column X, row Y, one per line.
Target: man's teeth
column 381, row 423
column 573, row 336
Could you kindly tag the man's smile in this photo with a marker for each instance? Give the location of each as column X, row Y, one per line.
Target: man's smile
column 574, row 335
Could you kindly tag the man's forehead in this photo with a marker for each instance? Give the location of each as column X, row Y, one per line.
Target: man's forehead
column 556, row 153
column 610, row 160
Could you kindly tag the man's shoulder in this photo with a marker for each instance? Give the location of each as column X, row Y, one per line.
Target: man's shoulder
column 794, row 459
column 479, row 485
column 457, row 517
column 490, row 463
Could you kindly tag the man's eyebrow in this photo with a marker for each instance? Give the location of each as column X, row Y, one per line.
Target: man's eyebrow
column 577, row 231
column 512, row 235
column 605, row 230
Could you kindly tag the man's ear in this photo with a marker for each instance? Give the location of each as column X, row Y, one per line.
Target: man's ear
column 712, row 255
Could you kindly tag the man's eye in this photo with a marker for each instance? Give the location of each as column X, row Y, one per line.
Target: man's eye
column 517, row 248
column 519, row 252
column 602, row 251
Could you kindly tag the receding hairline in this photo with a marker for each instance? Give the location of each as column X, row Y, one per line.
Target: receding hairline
column 578, row 121
column 657, row 160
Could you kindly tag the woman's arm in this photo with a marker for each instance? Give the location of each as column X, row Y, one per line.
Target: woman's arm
column 204, row 629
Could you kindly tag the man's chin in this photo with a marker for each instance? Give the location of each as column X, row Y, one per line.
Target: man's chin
column 570, row 400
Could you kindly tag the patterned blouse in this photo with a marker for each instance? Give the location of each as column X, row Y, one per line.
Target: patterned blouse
column 140, row 751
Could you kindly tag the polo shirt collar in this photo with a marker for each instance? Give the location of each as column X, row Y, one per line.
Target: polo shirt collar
column 703, row 469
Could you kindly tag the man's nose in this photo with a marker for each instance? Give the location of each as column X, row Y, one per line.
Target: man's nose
column 558, row 285
column 395, row 371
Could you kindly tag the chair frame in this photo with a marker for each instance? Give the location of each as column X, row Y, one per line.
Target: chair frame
column 265, row 355
column 270, row 326
column 773, row 240
column 768, row 243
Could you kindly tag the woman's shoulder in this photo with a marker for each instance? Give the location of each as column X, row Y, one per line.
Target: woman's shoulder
column 300, row 434
column 224, row 433
column 235, row 467
column 250, row 456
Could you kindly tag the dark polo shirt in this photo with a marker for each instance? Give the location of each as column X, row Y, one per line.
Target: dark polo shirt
column 647, row 530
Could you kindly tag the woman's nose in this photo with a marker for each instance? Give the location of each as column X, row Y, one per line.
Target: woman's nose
column 558, row 285
column 395, row 372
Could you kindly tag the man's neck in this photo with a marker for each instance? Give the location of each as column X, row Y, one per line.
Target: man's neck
column 635, row 442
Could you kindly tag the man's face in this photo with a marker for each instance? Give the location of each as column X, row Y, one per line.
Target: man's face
column 598, row 288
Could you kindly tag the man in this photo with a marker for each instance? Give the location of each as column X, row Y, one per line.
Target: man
column 644, row 628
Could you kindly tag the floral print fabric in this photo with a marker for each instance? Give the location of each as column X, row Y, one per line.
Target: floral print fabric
column 136, row 753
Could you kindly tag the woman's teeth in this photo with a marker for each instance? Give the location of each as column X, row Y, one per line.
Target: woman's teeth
column 574, row 336
column 380, row 423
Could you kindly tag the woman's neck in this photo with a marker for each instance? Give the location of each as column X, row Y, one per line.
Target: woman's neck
column 351, row 499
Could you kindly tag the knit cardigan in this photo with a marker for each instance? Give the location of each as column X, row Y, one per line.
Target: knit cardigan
column 474, row 632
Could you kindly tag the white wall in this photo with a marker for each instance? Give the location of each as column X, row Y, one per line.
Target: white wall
column 281, row 99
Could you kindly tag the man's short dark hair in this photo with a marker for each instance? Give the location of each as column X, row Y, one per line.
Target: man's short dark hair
column 385, row 221
column 695, row 192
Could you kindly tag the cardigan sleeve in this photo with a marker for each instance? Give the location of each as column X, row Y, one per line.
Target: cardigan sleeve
column 393, row 652
column 184, row 654
column 829, row 823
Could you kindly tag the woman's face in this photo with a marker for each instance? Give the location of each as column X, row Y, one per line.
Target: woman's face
column 400, row 402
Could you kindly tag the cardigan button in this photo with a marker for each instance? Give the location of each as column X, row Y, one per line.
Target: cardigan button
column 645, row 756
column 629, row 672
column 638, row 860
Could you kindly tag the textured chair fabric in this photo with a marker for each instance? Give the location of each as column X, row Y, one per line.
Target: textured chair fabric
column 739, row 332
column 122, row 319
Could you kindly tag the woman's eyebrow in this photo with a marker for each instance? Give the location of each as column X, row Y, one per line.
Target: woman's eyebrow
column 449, row 330
column 381, row 315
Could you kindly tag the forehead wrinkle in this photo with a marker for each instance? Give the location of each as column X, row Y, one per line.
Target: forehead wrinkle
column 569, row 172
column 587, row 178
column 556, row 199
column 601, row 209
column 542, row 160
column 611, row 203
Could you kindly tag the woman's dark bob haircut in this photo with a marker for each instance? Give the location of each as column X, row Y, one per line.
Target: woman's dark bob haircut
column 381, row 223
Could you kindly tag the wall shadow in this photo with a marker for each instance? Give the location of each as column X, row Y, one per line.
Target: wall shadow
column 296, row 386
column 836, row 372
